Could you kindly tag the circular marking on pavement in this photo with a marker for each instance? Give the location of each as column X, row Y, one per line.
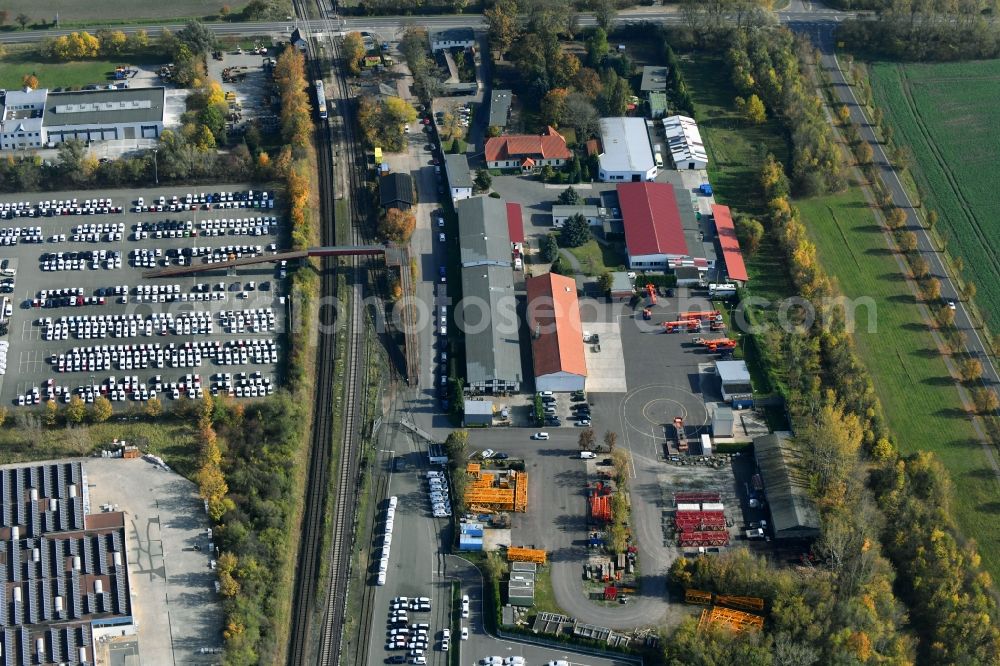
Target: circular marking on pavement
column 648, row 410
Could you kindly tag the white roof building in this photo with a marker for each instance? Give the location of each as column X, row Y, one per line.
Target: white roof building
column 687, row 150
column 626, row 155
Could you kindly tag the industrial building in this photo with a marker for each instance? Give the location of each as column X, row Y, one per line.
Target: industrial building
column 66, row 580
column 395, row 190
column 488, row 317
column 452, row 38
column 553, row 318
column 626, row 155
column 593, row 214
column 687, row 150
column 39, row 118
column 500, row 108
column 786, row 486
column 735, row 379
column 736, row 270
column 527, row 152
column 654, row 235
column 456, row 166
column 654, row 87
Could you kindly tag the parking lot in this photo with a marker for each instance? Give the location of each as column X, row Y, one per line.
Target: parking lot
column 81, row 318
column 178, row 613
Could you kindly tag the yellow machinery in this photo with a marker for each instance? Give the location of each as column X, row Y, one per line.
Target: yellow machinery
column 497, row 492
column 706, row 599
column 515, row 554
column 732, row 619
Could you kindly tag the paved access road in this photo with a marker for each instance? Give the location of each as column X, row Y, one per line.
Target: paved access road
column 823, row 37
column 797, row 12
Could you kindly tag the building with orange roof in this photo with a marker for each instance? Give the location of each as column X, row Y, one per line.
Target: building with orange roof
column 553, row 318
column 527, row 151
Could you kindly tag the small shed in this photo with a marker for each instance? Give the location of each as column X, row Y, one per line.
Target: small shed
column 478, row 412
column 722, row 421
column 436, row 454
column 297, row 40
column 621, row 286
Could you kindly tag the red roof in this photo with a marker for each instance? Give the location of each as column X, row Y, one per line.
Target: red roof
column 548, row 145
column 730, row 245
column 651, row 218
column 554, row 319
column 515, row 224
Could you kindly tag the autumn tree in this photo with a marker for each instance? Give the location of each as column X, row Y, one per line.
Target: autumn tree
column 610, row 439
column 101, row 410
column 945, row 317
column 932, row 218
column 749, row 233
column 969, row 290
column 51, row 412
column 863, row 153
column 587, row 439
column 588, row 82
column 226, row 566
column 76, row 410
column 752, row 108
column 970, row 369
column 580, row 114
column 153, row 407
column 397, row 225
column 29, row 81
column 907, row 241
column 985, row 400
column 553, row 106
column 23, row 20
column 930, row 289
column 502, row 25
column 920, row 266
column 4, row 413
column 111, row 42
column 354, row 51
column 895, row 218
column 843, row 114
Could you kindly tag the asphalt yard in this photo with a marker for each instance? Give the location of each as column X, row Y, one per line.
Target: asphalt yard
column 81, row 318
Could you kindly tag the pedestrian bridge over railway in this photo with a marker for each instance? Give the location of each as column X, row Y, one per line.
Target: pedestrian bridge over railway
column 393, row 257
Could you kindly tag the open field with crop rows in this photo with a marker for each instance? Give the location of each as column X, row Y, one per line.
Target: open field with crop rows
column 76, row 11
column 921, row 402
column 949, row 116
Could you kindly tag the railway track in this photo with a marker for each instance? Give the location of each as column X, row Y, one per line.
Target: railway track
column 304, row 648
column 309, row 643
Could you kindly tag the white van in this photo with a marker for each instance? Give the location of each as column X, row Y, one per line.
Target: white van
column 659, row 160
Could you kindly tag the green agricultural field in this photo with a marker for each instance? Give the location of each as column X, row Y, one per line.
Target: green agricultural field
column 14, row 66
column 118, row 11
column 948, row 114
column 920, row 400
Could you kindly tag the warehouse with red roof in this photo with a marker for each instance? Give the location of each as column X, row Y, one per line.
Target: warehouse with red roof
column 729, row 244
column 553, row 317
column 654, row 235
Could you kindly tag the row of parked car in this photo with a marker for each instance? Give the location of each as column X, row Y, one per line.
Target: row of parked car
column 438, row 489
column 401, row 634
column 390, row 517
column 13, row 235
column 140, row 356
column 52, row 207
column 205, row 201
column 79, row 261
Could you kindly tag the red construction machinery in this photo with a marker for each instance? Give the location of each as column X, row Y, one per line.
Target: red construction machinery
column 702, row 315
column 682, row 442
column 651, row 293
column 717, row 344
column 682, row 325
column 600, row 503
